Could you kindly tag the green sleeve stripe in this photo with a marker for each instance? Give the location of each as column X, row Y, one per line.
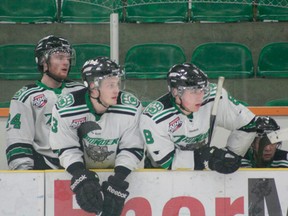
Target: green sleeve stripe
column 163, row 114
column 167, row 164
column 117, row 107
column 17, row 151
column 73, row 109
column 29, row 91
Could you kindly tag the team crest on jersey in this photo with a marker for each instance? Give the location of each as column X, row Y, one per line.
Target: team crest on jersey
column 98, row 153
column 65, row 101
column 175, row 124
column 97, row 148
column 154, row 107
column 39, row 101
column 129, row 99
column 19, row 93
column 77, row 122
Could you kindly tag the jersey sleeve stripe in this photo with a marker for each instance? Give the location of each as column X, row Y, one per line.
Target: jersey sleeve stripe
column 23, row 97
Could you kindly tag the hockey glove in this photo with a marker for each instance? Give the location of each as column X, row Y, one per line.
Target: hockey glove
column 221, row 160
column 85, row 184
column 115, row 194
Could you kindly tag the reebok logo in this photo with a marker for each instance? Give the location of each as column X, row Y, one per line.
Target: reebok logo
column 117, row 193
column 78, row 181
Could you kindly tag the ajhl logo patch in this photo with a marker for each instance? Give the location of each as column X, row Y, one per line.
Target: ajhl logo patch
column 77, row 122
column 39, row 101
column 175, row 124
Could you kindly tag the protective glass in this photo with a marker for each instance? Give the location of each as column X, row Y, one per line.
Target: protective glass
column 197, row 89
column 115, row 73
column 63, row 52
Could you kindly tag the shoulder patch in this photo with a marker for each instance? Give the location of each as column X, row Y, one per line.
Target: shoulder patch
column 129, row 99
column 153, row 108
column 65, row 101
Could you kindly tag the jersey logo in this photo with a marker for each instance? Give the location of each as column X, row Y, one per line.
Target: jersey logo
column 129, row 99
column 153, row 108
column 39, row 101
column 98, row 153
column 19, row 93
column 175, row 124
column 65, row 101
column 77, row 122
column 97, row 148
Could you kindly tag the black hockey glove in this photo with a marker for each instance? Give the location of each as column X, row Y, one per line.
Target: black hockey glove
column 85, row 184
column 221, row 160
column 115, row 194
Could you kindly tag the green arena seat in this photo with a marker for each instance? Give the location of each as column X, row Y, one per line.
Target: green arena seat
column 152, row 61
column 215, row 11
column 28, row 11
column 88, row 11
column 277, row 102
column 231, row 60
column 157, row 12
column 273, row 60
column 17, row 62
column 85, row 52
column 272, row 10
column 5, row 104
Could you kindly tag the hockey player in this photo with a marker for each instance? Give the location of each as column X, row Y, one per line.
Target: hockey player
column 29, row 120
column 176, row 126
column 98, row 127
column 264, row 154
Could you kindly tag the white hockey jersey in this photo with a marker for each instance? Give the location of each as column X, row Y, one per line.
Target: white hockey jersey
column 171, row 137
column 118, row 142
column 29, row 121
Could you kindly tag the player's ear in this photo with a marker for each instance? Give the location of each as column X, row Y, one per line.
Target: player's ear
column 93, row 89
column 174, row 92
column 45, row 66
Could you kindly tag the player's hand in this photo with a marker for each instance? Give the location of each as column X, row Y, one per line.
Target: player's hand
column 222, row 160
column 85, row 184
column 115, row 194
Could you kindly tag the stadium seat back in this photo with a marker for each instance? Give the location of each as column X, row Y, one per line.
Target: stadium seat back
column 222, row 12
column 85, row 52
column 28, row 11
column 88, row 11
column 152, row 61
column 273, row 60
column 17, row 62
column 231, row 60
column 273, row 10
column 277, row 102
column 4, row 104
column 158, row 12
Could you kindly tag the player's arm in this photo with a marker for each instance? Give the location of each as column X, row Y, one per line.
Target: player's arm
column 131, row 146
column 84, row 183
column 20, row 132
column 64, row 139
column 233, row 116
column 129, row 154
column 114, row 189
column 158, row 143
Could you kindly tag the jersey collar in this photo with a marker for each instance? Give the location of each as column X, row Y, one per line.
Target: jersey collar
column 90, row 106
column 172, row 99
column 55, row 90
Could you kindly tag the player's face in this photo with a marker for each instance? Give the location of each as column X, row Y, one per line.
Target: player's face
column 192, row 99
column 109, row 89
column 268, row 151
column 59, row 64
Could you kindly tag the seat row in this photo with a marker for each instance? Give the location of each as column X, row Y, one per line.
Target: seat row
column 93, row 11
column 153, row 60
